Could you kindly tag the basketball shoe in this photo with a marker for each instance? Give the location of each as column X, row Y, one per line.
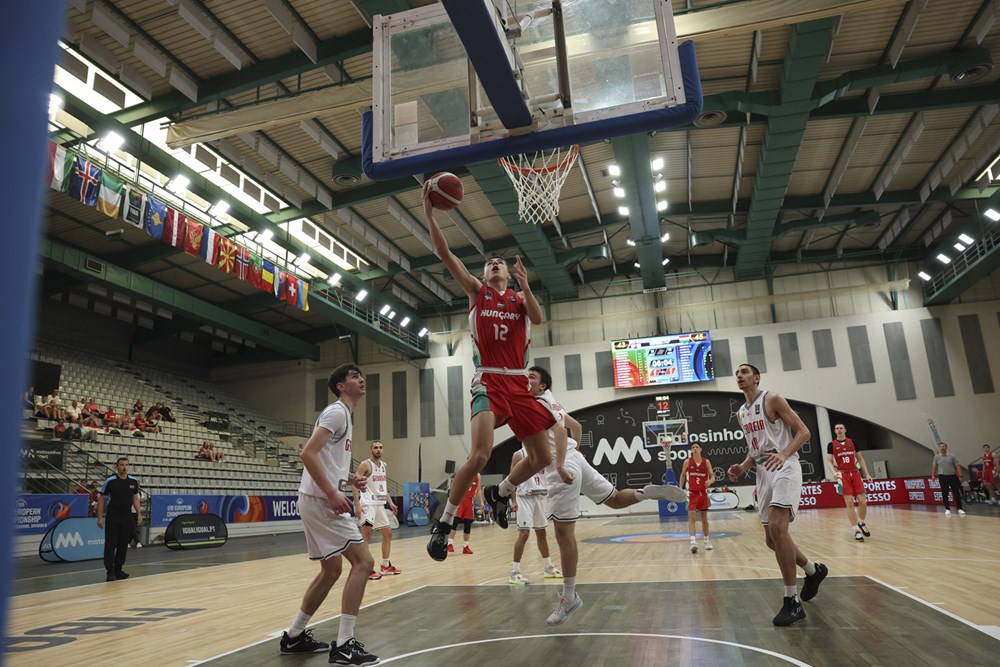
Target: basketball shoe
column 694, row 546
column 553, row 573
column 438, row 546
column 386, row 571
column 812, row 582
column 864, row 529
column 791, row 612
column 467, row 550
column 674, row 494
column 497, row 503
column 374, row 576
column 564, row 610
column 517, row 579
column 858, row 536
column 304, row 643
column 352, row 652
column 708, row 544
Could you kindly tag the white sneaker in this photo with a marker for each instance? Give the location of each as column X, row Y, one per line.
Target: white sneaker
column 517, row 579
column 947, row 512
column 708, row 545
column 553, row 573
column 564, row 610
column 694, row 547
column 674, row 494
column 961, row 512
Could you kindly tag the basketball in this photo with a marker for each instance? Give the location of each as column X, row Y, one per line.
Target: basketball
column 445, row 191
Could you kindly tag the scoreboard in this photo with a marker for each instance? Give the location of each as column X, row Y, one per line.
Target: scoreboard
column 660, row 360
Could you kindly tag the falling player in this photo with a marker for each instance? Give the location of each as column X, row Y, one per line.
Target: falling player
column 370, row 507
column 698, row 475
column 844, row 458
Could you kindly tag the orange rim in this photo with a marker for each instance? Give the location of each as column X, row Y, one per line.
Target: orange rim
column 540, row 170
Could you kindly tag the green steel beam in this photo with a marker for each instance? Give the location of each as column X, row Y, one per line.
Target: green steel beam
column 973, row 265
column 320, row 305
column 92, row 269
column 632, row 157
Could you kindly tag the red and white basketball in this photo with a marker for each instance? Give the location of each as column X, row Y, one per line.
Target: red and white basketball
column 445, row 191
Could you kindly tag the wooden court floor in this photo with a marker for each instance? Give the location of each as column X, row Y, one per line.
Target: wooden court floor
column 921, row 591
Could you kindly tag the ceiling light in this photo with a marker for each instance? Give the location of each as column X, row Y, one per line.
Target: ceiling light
column 179, row 184
column 385, row 309
column 265, row 236
column 666, row 260
column 619, row 192
column 406, row 320
column 665, row 237
column 392, row 314
column 334, row 279
column 636, row 265
column 630, row 242
column 924, row 276
column 992, row 214
column 661, row 205
column 220, row 208
column 303, row 259
column 944, row 259
column 55, row 102
column 966, row 239
column 959, row 247
column 360, row 296
column 659, row 186
column 423, row 332
column 656, row 164
column 623, row 210
column 614, row 170
column 111, row 142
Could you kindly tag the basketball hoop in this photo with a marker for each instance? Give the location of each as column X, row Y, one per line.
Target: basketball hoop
column 538, row 180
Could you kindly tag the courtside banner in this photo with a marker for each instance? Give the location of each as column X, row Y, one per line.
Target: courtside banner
column 231, row 509
column 195, row 530
column 35, row 513
column 73, row 539
column 895, row 491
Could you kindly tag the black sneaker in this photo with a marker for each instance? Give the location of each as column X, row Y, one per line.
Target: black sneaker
column 121, row 574
column 864, row 529
column 437, row 548
column 811, row 585
column 791, row 612
column 111, row 577
column 352, row 652
column 304, row 643
column 497, row 503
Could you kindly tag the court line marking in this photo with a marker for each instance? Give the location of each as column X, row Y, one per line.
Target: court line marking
column 933, row 605
column 312, row 623
column 755, row 649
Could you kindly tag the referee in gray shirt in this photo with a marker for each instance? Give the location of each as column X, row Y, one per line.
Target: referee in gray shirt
column 949, row 473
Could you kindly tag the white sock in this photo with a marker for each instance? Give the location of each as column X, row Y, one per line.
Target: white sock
column 515, row 568
column 569, row 588
column 385, row 562
column 548, row 563
column 346, row 628
column 640, row 494
column 790, row 591
column 451, row 541
column 299, row 624
column 694, row 538
column 809, row 567
column 506, row 488
column 450, row 509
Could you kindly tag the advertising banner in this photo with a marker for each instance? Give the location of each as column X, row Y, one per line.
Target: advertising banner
column 902, row 490
column 73, row 539
column 42, row 454
column 189, row 531
column 35, row 513
column 416, row 494
column 231, row 509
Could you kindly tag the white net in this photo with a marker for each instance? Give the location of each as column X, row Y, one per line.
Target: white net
column 538, row 179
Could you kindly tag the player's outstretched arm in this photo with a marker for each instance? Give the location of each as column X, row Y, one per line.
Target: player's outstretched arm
column 469, row 283
column 531, row 305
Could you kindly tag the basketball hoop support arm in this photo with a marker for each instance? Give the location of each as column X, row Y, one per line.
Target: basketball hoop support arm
column 562, row 61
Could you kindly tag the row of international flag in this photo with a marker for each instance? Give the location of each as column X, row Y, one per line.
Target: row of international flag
column 88, row 183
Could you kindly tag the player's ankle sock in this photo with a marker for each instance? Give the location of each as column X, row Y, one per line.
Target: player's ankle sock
column 346, row 628
column 569, row 588
column 299, row 624
column 450, row 509
column 548, row 563
column 809, row 567
column 640, row 495
column 450, row 541
column 385, row 562
column 790, row 591
column 506, row 488
column 515, row 568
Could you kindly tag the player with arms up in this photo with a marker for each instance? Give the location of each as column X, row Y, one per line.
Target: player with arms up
column 844, row 458
column 698, row 475
column 500, row 322
column 774, row 434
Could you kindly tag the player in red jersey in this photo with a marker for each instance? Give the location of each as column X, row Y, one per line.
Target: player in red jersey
column 500, row 322
column 464, row 516
column 844, row 458
column 989, row 479
column 698, row 475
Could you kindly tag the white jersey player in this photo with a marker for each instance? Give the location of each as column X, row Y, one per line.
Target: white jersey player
column 369, row 507
column 530, row 504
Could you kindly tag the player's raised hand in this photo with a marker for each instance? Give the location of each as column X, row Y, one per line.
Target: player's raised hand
column 520, row 273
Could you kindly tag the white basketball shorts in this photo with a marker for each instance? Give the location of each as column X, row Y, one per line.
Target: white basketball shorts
column 328, row 534
column 564, row 499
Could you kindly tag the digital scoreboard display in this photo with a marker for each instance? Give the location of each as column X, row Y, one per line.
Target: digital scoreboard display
column 649, row 362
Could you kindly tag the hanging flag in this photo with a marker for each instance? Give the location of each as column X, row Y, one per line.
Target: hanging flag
column 109, row 197
column 210, row 245
column 154, row 216
column 303, row 303
column 85, row 181
column 242, row 259
column 175, row 228
column 267, row 276
column 254, row 272
column 292, row 290
column 226, row 257
column 193, row 237
column 280, row 284
column 59, row 164
column 134, row 204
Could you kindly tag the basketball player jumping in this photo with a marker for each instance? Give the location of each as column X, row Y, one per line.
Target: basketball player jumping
column 369, row 505
column 500, row 322
column 698, row 475
column 774, row 434
column 844, row 458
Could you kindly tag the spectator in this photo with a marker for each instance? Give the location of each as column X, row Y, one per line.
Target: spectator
column 41, row 408
column 142, row 425
column 92, row 490
column 111, row 417
column 60, row 430
column 209, row 453
column 89, row 419
column 154, row 412
column 93, row 409
column 29, row 398
column 138, row 408
column 166, row 413
column 54, row 404
column 88, row 432
column 73, row 412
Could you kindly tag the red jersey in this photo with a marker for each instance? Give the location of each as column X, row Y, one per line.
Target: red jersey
column 844, row 454
column 501, row 331
column 697, row 475
column 988, row 462
column 465, row 509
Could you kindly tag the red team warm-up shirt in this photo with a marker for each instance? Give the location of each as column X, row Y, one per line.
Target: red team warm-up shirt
column 844, row 455
column 697, row 475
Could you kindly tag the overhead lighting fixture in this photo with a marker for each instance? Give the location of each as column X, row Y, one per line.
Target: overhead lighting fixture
column 619, row 192
column 406, row 320
column 334, row 279
column 992, row 214
column 630, row 242
column 661, row 205
column 944, row 259
column 220, row 208
column 265, row 236
column 666, row 260
column 423, row 332
column 392, row 314
column 179, row 184
column 659, row 186
column 111, row 142
column 614, row 170
column 959, row 247
column 656, row 164
column 966, row 239
column 55, row 103
column 385, row 309
column 360, row 296
column 924, row 276
column 636, row 265
column 303, row 259
column 623, row 210
column 665, row 237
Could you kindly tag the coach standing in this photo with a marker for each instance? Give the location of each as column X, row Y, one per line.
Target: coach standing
column 122, row 490
column 949, row 473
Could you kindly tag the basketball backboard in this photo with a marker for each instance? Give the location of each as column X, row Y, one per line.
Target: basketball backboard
column 575, row 63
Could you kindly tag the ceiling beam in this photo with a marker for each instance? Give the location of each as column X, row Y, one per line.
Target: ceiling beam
column 633, row 158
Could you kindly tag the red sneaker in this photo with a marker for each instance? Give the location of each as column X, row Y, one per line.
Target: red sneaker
column 374, row 576
column 387, row 571
column 451, row 548
column 466, row 550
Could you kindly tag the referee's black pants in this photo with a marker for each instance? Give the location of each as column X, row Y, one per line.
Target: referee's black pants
column 950, row 482
column 117, row 532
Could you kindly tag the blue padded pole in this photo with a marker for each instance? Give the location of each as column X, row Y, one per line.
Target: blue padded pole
column 485, row 48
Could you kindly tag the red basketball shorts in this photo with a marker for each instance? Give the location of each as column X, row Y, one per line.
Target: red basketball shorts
column 853, row 486
column 698, row 500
